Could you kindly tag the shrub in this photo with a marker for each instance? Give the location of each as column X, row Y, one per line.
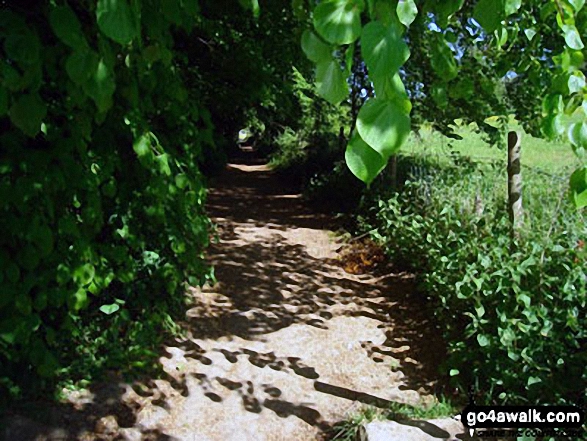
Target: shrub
column 512, row 312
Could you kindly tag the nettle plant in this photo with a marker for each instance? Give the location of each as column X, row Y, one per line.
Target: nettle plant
column 439, row 60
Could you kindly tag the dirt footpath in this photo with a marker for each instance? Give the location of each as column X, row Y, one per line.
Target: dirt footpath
column 285, row 344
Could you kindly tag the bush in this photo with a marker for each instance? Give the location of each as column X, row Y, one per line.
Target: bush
column 513, row 313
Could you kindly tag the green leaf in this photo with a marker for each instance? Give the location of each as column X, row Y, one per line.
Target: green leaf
column 407, row 11
column 162, row 162
column 577, row 4
column 67, row 27
column 442, row 60
column 576, row 82
column 578, row 138
column 84, row 274
column 80, row 65
column 23, row 47
column 533, row 380
column 482, row 340
column 116, row 20
column 79, row 300
column 445, row 9
column 364, row 162
column 331, row 82
column 252, row 5
column 109, row 309
column 182, row 181
column 101, row 86
column 391, row 88
column 454, row 372
column 489, row 14
column 339, row 21
column 572, row 37
column 143, row 146
column 314, row 48
column 383, row 49
column 512, row 6
column 530, row 33
column 578, row 184
column 27, row 113
column 384, row 125
column 480, row 310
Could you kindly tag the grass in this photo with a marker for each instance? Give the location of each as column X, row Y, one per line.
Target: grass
column 348, row 430
column 549, row 156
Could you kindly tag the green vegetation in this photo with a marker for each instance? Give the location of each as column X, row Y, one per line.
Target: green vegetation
column 348, row 430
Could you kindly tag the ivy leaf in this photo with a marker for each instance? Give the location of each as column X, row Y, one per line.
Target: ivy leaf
column 67, row 27
column 339, row 21
column 84, row 274
column 489, row 14
column 109, row 309
column 314, row 48
column 384, row 125
column 331, row 82
column 364, row 162
column 27, row 113
column 407, row 11
column 578, row 184
column 79, row 300
column 576, row 82
column 116, row 20
column 383, row 49
column 572, row 37
column 163, row 164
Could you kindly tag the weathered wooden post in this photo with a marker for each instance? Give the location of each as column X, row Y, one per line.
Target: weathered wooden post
column 515, row 208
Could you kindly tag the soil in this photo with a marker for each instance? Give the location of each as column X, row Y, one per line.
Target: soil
column 298, row 333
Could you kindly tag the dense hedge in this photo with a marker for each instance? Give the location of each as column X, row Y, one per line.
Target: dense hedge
column 101, row 197
column 512, row 313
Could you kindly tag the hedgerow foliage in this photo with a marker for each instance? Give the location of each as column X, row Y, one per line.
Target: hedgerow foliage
column 510, row 313
column 100, row 193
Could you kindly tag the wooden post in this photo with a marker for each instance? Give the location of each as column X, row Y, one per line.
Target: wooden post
column 515, row 209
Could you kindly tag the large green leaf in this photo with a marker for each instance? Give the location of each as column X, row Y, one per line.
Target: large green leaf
column 577, row 4
column 384, row 125
column 445, row 9
column 576, row 82
column 116, row 20
column 579, row 187
column 489, row 14
column 391, row 88
column 23, row 47
column 364, row 162
column 80, row 65
column 383, row 49
column 100, row 86
column 314, row 48
column 578, row 137
column 512, row 6
column 331, row 82
column 27, row 113
column 339, row 21
column 67, row 27
column 572, row 37
column 442, row 60
column 407, row 11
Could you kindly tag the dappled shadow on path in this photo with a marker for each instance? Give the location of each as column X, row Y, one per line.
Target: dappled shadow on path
column 284, row 342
